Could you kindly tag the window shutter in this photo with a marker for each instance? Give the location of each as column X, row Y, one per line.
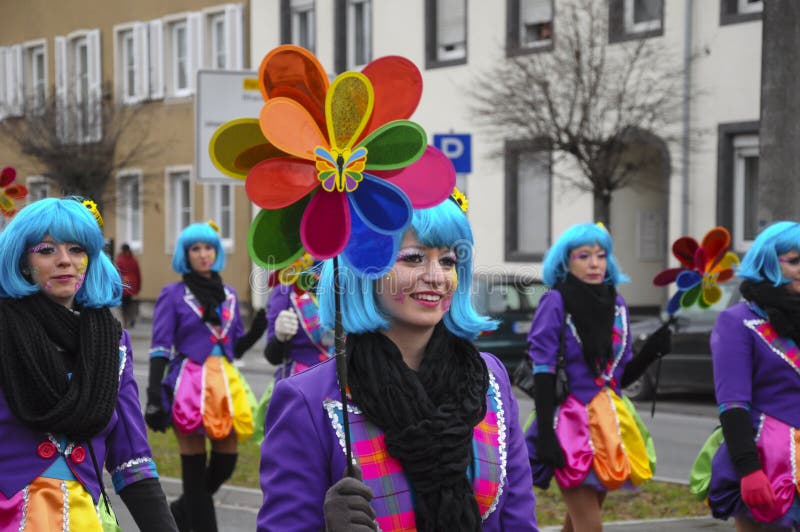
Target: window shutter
column 95, row 85
column 4, row 111
column 141, row 60
column 62, row 108
column 16, row 88
column 234, row 42
column 156, row 59
column 194, row 44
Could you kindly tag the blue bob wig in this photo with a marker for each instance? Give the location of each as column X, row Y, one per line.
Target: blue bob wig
column 64, row 220
column 760, row 263
column 192, row 234
column 556, row 261
column 444, row 225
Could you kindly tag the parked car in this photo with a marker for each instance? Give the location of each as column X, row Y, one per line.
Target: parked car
column 511, row 300
column 688, row 367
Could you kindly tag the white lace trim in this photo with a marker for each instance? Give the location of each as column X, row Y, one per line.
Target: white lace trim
column 131, row 463
column 501, row 445
column 65, row 507
column 25, row 502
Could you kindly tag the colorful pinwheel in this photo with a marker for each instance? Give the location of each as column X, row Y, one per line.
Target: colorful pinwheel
column 704, row 267
column 300, row 274
column 10, row 191
column 329, row 160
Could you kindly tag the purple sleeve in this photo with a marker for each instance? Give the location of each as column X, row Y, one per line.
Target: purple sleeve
column 732, row 358
column 237, row 327
column 543, row 337
column 128, row 455
column 294, row 472
column 163, row 338
column 278, row 301
column 627, row 355
column 518, row 512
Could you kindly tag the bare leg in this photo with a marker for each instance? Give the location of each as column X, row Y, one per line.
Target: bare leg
column 583, row 507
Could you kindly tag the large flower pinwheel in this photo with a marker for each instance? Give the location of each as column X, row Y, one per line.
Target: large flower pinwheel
column 10, row 191
column 301, row 275
column 704, row 267
column 330, row 161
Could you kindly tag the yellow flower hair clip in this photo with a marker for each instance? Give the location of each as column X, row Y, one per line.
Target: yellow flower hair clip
column 213, row 225
column 92, row 206
column 460, row 199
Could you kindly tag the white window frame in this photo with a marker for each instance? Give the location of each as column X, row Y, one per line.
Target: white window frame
column 352, row 31
column 214, row 210
column 35, row 88
column 232, row 16
column 67, row 86
column 460, row 47
column 12, row 96
column 537, row 18
column 173, row 211
column 639, row 27
column 177, row 90
column 155, row 46
column 130, row 215
column 744, row 146
column 218, row 39
column 297, row 10
column 137, row 33
column 745, row 7
column 34, row 183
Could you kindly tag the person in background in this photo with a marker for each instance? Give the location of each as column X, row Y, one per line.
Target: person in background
column 593, row 441
column 197, row 333
column 69, row 401
column 754, row 350
column 128, row 268
column 434, row 424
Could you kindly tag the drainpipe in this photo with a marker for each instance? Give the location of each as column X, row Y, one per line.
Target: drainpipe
column 687, row 82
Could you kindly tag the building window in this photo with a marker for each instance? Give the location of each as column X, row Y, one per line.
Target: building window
column 78, row 86
column 635, row 19
column 298, row 23
column 179, row 38
column 530, row 25
column 735, row 11
column 218, row 49
column 129, row 208
column 179, row 213
column 35, row 75
column 219, row 207
column 11, row 81
column 745, row 191
column 446, row 32
column 528, row 185
column 38, row 188
column 359, row 32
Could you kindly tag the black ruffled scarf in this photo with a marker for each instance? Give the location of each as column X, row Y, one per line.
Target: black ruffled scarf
column 209, row 291
column 592, row 307
column 427, row 417
column 33, row 370
column 782, row 307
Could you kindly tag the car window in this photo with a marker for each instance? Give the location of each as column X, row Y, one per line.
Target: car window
column 504, row 295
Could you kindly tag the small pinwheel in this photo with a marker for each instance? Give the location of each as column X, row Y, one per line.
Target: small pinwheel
column 10, row 191
column 329, row 160
column 703, row 268
column 300, row 274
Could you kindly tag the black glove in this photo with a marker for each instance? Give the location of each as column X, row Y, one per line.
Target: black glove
column 548, row 449
column 659, row 343
column 155, row 416
column 257, row 328
column 148, row 506
column 346, row 507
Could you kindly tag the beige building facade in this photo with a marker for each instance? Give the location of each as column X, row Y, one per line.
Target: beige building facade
column 145, row 56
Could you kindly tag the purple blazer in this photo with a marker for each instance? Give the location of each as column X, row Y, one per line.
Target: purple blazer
column 754, row 365
column 178, row 325
column 122, row 445
column 544, row 344
column 302, row 455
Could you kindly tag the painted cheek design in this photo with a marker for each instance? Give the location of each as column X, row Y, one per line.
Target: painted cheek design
column 79, row 282
column 48, row 286
column 446, row 302
column 399, row 298
column 454, row 280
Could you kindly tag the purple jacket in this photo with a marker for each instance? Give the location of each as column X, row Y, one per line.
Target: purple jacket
column 752, row 364
column 25, row 454
column 178, row 325
column 303, row 455
column 544, row 344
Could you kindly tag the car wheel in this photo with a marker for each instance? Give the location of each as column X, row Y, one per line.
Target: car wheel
column 640, row 390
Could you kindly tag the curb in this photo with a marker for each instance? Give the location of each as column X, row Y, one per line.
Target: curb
column 226, row 496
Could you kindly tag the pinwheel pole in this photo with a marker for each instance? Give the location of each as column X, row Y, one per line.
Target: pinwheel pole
column 341, row 362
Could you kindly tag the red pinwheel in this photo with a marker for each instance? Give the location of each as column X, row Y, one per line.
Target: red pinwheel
column 703, row 267
column 10, row 191
column 329, row 160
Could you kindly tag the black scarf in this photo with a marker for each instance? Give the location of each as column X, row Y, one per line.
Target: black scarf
column 427, row 417
column 33, row 371
column 209, row 291
column 592, row 307
column 782, row 307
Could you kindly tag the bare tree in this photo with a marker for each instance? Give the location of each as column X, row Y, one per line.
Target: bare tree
column 589, row 101
column 80, row 147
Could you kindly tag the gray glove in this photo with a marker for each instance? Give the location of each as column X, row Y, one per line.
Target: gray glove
column 347, row 507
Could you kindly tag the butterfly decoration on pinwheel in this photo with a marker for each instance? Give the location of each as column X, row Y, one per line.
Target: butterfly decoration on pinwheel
column 703, row 268
column 336, row 167
column 10, row 191
column 301, row 275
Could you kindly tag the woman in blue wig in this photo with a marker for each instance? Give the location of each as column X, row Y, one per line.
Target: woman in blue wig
column 752, row 471
column 69, row 402
column 433, row 423
column 587, row 433
column 197, row 333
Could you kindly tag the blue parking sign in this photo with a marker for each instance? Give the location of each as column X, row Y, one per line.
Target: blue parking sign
column 457, row 148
